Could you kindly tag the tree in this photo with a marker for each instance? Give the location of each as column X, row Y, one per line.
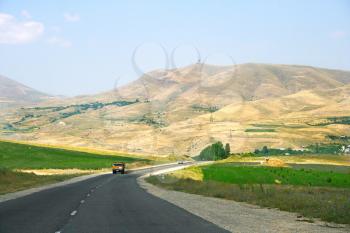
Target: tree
column 227, row 149
column 317, row 149
column 265, row 150
column 215, row 151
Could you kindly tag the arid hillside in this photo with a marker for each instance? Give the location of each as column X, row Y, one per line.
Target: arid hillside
column 180, row 111
column 13, row 93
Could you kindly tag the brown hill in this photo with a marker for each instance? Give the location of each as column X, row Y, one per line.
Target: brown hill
column 181, row 111
column 13, row 93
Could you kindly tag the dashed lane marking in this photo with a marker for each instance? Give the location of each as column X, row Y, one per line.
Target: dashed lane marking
column 73, row 213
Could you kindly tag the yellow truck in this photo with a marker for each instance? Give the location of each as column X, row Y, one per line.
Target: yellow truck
column 118, row 167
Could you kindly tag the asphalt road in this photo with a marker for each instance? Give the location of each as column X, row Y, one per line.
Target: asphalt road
column 106, row 203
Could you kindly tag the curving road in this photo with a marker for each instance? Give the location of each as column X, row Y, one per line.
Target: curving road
column 106, row 203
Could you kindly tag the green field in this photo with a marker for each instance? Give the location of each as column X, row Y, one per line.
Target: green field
column 229, row 173
column 323, row 167
column 22, row 156
column 18, row 156
column 314, row 191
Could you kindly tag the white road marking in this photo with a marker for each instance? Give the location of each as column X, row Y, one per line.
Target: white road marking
column 73, row 213
column 11, row 196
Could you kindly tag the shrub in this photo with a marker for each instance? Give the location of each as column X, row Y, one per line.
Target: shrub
column 215, row 151
column 227, row 149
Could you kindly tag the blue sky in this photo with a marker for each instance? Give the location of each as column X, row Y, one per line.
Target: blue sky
column 67, row 47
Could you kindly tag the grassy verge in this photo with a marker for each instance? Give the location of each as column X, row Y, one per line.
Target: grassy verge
column 312, row 193
column 328, row 204
column 11, row 181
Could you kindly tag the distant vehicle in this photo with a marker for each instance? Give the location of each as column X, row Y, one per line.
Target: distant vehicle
column 118, row 167
column 180, row 162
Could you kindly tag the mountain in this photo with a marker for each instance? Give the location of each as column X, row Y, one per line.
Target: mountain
column 180, row 111
column 13, row 93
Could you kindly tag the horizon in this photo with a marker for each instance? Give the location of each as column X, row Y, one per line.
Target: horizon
column 119, row 86
column 77, row 49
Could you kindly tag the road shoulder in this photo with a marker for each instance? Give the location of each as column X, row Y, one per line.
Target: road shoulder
column 240, row 217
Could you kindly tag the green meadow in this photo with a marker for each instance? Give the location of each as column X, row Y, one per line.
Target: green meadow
column 230, row 173
column 18, row 156
column 22, row 156
column 313, row 191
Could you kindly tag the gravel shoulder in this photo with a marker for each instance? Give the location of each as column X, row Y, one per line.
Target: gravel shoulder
column 241, row 217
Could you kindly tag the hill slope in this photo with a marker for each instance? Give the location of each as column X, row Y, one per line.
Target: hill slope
column 13, row 93
column 181, row 111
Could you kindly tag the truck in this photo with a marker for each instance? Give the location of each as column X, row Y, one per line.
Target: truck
column 118, row 167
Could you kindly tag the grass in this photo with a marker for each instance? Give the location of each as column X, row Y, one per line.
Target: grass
column 228, row 173
column 21, row 156
column 11, row 181
column 323, row 167
column 80, row 149
column 328, row 204
column 314, row 192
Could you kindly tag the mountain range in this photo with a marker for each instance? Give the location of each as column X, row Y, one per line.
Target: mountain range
column 180, row 111
column 13, row 93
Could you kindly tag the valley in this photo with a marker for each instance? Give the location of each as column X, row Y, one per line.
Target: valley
column 170, row 116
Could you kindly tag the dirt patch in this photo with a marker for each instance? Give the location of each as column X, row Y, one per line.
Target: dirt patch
column 272, row 162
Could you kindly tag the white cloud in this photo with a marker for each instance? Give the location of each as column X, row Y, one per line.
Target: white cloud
column 60, row 42
column 13, row 31
column 71, row 17
column 26, row 14
column 338, row 34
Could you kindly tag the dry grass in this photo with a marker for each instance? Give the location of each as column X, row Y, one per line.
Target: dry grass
column 194, row 173
column 11, row 181
column 50, row 172
column 273, row 162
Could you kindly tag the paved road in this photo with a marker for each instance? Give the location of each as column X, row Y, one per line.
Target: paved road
column 107, row 203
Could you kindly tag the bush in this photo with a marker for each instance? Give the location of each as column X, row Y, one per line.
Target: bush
column 227, row 149
column 215, row 151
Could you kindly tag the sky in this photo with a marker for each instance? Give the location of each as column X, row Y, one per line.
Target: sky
column 66, row 47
